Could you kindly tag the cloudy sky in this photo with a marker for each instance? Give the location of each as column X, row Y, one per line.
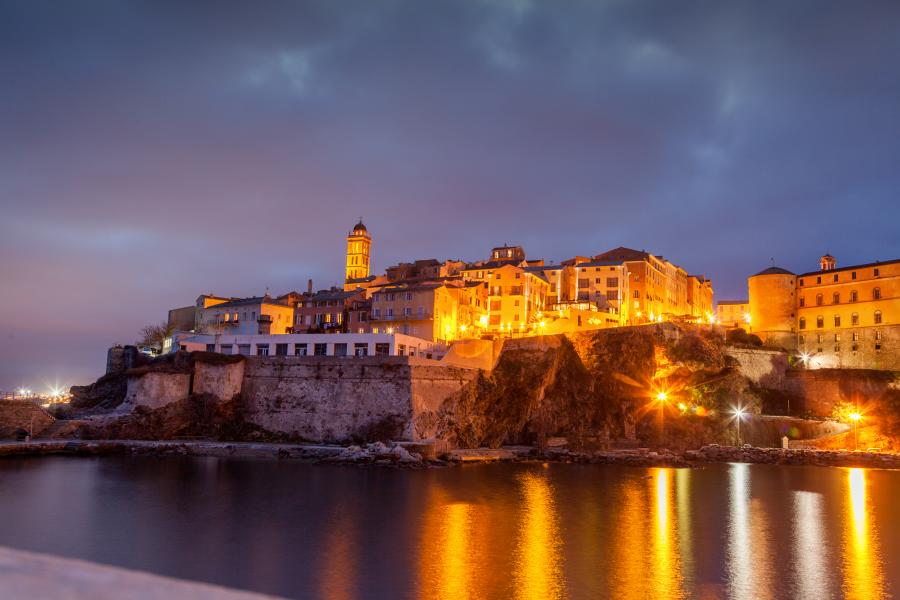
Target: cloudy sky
column 152, row 151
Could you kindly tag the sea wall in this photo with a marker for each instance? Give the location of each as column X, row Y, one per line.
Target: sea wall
column 332, row 399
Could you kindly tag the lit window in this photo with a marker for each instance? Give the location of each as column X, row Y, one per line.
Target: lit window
column 877, row 317
column 854, row 319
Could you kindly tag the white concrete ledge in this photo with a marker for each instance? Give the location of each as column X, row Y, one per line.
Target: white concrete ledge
column 30, row 575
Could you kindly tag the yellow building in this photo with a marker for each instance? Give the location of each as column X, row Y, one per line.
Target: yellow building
column 833, row 317
column 359, row 245
column 246, row 316
column 517, row 297
column 733, row 313
column 426, row 310
column 660, row 290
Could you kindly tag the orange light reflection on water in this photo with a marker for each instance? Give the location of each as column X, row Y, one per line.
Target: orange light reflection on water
column 863, row 577
column 538, row 572
column 665, row 567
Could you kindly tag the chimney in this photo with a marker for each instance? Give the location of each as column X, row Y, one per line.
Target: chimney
column 309, row 286
column 827, row 263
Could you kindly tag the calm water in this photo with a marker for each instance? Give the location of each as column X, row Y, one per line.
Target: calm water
column 490, row 531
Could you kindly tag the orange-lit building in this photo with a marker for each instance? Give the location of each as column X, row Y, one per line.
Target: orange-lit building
column 833, row 317
column 733, row 313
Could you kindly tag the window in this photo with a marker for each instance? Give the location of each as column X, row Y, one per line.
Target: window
column 837, row 337
column 226, row 349
column 637, row 294
column 837, row 347
column 408, row 295
column 495, row 319
column 854, row 319
column 421, row 311
column 516, row 302
column 495, row 305
column 820, row 338
column 877, row 336
column 854, row 296
column 390, row 312
column 836, row 298
column 818, row 280
column 837, row 320
column 820, row 322
column 802, row 339
column 876, row 272
column 210, row 347
column 612, row 282
column 376, row 312
column 407, row 311
column 835, row 277
column 855, row 336
column 244, row 349
column 801, row 283
column 340, row 349
column 299, row 349
column 262, row 349
column 281, row 349
column 876, row 294
column 320, row 349
column 612, row 294
column 802, row 301
column 598, row 281
column 516, row 317
column 877, row 317
column 382, row 349
column 401, row 349
column 360, row 349
column 818, row 299
column 583, row 283
column 853, row 275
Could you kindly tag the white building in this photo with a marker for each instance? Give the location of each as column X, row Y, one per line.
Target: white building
column 307, row 344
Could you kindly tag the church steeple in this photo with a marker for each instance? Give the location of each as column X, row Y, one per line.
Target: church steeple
column 359, row 243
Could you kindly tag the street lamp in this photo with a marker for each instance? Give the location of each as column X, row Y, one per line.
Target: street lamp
column 855, row 417
column 739, row 415
column 662, row 398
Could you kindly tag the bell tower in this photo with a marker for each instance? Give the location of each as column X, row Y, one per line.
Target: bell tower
column 358, row 245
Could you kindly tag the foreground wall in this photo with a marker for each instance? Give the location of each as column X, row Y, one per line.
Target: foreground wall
column 330, row 399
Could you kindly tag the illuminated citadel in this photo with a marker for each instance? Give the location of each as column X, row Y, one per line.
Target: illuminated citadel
column 831, row 317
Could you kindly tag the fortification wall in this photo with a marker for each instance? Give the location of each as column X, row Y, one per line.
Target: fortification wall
column 818, row 390
column 223, row 381
column 156, row 389
column 764, row 368
column 331, row 399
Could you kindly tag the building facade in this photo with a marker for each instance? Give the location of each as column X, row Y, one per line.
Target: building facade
column 248, row 316
column 833, row 317
column 733, row 313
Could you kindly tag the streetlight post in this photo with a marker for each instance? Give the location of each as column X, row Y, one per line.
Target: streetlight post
column 855, row 416
column 739, row 415
column 661, row 397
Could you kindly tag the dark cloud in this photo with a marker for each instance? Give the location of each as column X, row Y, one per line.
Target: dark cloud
column 152, row 151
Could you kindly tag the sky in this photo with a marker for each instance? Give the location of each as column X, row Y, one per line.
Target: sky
column 152, row 151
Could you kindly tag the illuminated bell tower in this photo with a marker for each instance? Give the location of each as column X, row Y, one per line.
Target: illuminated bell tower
column 358, row 245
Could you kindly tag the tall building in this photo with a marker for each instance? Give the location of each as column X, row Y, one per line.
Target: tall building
column 834, row 317
column 359, row 244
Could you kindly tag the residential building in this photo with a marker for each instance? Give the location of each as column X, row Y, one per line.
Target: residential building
column 428, row 310
column 733, row 313
column 246, row 316
column 331, row 311
column 659, row 289
column 517, row 297
column 345, row 345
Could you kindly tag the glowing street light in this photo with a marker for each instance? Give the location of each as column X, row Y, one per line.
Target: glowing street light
column 855, row 417
column 662, row 397
column 739, row 415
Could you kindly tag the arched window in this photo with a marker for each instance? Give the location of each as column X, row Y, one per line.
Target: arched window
column 876, row 294
column 877, row 317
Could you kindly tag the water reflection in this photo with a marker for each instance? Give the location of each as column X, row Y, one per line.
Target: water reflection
column 339, row 573
column 810, row 547
column 666, row 569
column 749, row 554
column 538, row 573
column 448, row 564
column 863, row 577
